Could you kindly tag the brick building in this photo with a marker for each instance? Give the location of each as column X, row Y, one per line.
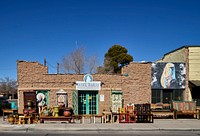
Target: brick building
column 186, row 60
column 174, row 77
column 101, row 92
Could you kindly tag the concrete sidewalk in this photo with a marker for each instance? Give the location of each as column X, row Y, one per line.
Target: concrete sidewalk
column 158, row 125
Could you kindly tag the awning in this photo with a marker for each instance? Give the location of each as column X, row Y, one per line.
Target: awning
column 195, row 82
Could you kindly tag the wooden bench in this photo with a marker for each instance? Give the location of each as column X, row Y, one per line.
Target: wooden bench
column 184, row 108
column 59, row 118
column 161, row 113
column 161, row 110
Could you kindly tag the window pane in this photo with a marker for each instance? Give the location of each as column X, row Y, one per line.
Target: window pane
column 178, row 95
column 155, row 96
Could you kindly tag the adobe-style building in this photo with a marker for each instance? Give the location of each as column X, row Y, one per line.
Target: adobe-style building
column 86, row 94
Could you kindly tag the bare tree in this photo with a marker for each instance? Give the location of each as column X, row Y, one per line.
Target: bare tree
column 8, row 86
column 77, row 62
column 92, row 64
column 74, row 62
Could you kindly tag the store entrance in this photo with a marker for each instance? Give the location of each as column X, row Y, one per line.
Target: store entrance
column 87, row 102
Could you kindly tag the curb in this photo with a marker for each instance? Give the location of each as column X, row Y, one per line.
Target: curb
column 95, row 129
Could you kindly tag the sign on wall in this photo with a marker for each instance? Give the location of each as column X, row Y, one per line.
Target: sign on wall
column 88, row 83
column 167, row 75
column 101, row 97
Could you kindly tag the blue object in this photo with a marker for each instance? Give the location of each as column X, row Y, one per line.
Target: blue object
column 13, row 105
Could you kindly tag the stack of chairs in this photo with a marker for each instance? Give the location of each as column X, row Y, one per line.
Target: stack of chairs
column 143, row 113
column 127, row 114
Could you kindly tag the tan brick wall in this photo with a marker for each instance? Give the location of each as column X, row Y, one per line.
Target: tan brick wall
column 136, row 86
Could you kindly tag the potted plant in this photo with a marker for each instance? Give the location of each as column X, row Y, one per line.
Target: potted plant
column 10, row 119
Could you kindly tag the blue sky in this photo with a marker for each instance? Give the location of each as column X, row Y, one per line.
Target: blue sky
column 32, row 30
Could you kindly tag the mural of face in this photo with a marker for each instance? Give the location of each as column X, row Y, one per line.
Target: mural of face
column 168, row 75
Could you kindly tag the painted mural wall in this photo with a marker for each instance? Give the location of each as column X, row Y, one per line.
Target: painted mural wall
column 168, row 75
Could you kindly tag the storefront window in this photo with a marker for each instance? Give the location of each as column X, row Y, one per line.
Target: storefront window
column 156, row 96
column 196, row 95
column 166, row 95
column 178, row 95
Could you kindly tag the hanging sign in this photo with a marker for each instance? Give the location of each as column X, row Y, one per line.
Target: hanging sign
column 88, row 83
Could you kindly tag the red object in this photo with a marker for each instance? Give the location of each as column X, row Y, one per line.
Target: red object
column 67, row 112
column 26, row 111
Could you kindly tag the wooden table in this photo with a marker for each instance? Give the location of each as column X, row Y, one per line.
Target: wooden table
column 97, row 116
column 11, row 111
column 89, row 116
column 52, row 118
column 115, row 117
column 77, row 117
column 107, row 117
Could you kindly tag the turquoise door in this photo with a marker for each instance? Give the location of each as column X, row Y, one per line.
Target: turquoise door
column 87, row 102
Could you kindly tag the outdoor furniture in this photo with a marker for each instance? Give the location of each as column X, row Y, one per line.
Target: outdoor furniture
column 35, row 118
column 92, row 118
column 16, row 119
column 184, row 108
column 144, row 114
column 52, row 118
column 88, row 116
column 8, row 111
column 97, row 116
column 107, row 117
column 21, row 120
column 115, row 117
column 77, row 117
column 162, row 113
column 161, row 110
column 127, row 115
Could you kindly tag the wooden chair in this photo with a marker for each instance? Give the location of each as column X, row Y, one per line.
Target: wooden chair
column 35, row 118
column 21, row 120
column 127, row 115
column 130, row 114
column 16, row 119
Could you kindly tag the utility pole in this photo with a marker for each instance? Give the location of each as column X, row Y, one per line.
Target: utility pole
column 57, row 68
